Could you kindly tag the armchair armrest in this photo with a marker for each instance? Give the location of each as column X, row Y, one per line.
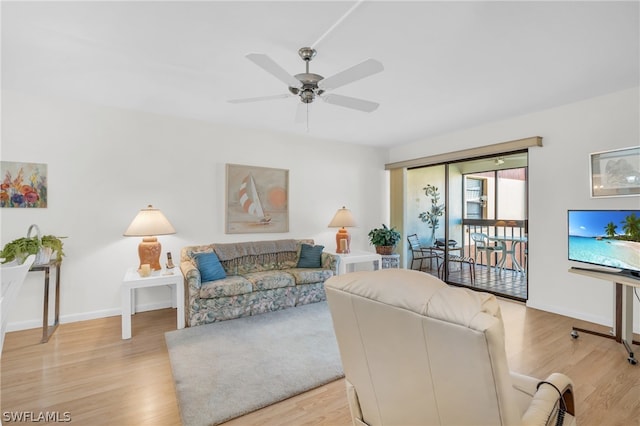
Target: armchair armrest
column 543, row 407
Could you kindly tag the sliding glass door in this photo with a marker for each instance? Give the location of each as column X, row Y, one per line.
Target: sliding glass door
column 471, row 216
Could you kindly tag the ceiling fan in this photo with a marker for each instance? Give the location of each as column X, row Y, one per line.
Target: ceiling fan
column 307, row 86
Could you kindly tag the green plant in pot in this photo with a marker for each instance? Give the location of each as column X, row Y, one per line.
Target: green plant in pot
column 384, row 239
column 21, row 248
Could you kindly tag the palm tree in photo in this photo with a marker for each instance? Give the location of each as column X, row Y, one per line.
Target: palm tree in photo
column 610, row 229
column 631, row 227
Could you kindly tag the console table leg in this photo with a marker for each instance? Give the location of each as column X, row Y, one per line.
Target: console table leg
column 45, row 309
column 48, row 330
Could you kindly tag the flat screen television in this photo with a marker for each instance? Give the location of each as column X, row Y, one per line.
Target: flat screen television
column 608, row 238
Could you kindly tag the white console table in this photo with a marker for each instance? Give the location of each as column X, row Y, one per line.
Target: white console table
column 354, row 257
column 623, row 318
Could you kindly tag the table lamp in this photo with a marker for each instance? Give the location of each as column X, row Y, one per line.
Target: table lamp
column 343, row 219
column 148, row 223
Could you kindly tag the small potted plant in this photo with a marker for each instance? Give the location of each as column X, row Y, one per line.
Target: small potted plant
column 384, row 239
column 43, row 247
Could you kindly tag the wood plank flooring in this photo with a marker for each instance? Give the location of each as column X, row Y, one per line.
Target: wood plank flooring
column 87, row 371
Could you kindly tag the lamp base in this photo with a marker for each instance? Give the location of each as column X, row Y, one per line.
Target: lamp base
column 343, row 241
column 149, row 253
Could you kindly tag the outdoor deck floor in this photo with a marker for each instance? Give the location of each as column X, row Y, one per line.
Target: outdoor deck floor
column 506, row 283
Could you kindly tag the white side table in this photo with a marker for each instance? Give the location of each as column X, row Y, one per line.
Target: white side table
column 354, row 257
column 132, row 280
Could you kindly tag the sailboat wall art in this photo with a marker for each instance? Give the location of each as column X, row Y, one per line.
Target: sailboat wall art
column 257, row 200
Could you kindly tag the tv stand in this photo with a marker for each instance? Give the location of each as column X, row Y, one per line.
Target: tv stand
column 623, row 325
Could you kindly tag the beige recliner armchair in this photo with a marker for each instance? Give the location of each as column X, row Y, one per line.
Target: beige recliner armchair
column 416, row 351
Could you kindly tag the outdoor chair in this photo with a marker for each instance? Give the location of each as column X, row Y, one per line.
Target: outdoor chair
column 470, row 261
column 420, row 253
column 483, row 244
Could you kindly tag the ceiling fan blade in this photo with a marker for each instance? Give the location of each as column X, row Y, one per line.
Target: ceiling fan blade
column 349, row 102
column 356, row 72
column 270, row 66
column 259, row 98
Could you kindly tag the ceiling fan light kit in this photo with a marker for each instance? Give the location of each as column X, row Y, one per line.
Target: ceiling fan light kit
column 307, row 86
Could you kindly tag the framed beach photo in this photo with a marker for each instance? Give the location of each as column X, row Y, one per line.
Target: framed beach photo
column 257, row 200
column 615, row 173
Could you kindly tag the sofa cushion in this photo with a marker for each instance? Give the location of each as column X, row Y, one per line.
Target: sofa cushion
column 233, row 285
column 310, row 256
column 310, row 275
column 209, row 266
column 266, row 280
column 273, row 300
column 310, row 293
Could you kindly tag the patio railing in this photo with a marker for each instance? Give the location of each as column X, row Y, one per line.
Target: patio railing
column 512, row 233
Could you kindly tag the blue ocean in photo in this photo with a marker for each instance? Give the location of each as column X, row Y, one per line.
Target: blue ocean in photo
column 613, row 253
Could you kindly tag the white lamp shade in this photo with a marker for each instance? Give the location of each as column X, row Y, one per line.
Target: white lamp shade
column 343, row 218
column 149, row 222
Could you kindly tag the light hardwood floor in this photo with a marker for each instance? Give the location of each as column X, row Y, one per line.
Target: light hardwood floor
column 87, row 371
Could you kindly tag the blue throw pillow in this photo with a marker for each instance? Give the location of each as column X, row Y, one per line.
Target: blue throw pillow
column 310, row 256
column 210, row 267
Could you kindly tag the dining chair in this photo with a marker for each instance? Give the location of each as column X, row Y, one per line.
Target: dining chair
column 418, row 252
column 482, row 244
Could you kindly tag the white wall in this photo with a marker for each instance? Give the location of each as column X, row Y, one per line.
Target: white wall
column 558, row 181
column 105, row 164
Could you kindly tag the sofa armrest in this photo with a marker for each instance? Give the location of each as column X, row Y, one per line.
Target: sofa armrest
column 545, row 399
column 191, row 273
column 192, row 278
column 329, row 261
column 193, row 283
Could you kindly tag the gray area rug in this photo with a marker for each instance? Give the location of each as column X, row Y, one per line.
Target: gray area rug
column 226, row 369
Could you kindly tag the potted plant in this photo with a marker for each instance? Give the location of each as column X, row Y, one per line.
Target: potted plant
column 43, row 247
column 384, row 239
column 432, row 217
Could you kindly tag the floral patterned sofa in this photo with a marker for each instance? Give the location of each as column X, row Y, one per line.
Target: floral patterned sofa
column 261, row 276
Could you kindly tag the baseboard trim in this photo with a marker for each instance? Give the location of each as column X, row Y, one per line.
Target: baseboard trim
column 85, row 316
column 607, row 322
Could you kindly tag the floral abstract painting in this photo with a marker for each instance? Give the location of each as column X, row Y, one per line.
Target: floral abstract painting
column 24, row 185
column 257, row 199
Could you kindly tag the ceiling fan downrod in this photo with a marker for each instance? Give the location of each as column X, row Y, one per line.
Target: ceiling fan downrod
column 309, row 81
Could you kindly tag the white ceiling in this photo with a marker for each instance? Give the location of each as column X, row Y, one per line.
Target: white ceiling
column 448, row 65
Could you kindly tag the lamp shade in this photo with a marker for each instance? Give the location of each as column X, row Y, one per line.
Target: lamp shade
column 343, row 219
column 148, row 223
